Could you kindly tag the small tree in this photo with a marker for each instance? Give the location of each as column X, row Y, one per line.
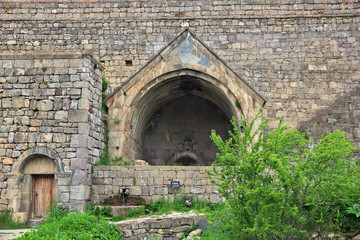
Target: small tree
column 277, row 187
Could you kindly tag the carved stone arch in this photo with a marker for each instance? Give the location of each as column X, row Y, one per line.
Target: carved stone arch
column 147, row 99
column 186, row 56
column 26, row 156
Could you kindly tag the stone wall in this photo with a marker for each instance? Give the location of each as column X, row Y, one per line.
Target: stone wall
column 167, row 227
column 293, row 52
column 152, row 182
column 50, row 106
column 343, row 115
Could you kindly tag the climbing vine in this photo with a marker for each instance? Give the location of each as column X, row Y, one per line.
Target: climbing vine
column 105, row 158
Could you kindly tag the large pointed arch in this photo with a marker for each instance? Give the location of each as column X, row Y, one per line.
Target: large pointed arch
column 184, row 60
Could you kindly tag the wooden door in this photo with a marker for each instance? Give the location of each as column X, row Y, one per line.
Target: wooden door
column 42, row 195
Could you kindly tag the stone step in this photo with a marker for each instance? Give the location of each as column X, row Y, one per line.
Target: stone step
column 35, row 222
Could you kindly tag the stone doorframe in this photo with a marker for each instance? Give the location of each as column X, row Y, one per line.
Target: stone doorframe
column 21, row 183
column 184, row 56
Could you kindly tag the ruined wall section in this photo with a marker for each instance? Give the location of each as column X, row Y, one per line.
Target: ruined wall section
column 301, row 56
column 51, row 102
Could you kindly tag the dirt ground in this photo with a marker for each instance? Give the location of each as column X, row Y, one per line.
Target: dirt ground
column 11, row 234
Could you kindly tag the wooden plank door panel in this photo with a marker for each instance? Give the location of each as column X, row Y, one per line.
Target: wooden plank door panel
column 42, row 194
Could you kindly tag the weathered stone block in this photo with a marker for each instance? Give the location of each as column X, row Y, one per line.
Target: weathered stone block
column 83, row 128
column 61, row 115
column 79, row 178
column 64, row 197
column 20, row 137
column 59, row 137
column 44, row 105
column 356, row 132
column 46, row 137
column 8, row 161
column 82, row 153
column 79, row 141
column 79, row 164
column 18, row 102
column 79, row 192
column 78, row 116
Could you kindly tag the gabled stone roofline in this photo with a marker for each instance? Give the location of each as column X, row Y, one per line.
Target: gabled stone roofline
column 167, row 49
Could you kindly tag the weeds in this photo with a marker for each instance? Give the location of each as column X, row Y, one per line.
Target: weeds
column 8, row 220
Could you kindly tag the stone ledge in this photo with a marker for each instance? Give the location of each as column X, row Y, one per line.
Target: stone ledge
column 164, row 226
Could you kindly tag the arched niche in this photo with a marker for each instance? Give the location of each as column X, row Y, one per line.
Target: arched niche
column 181, row 109
column 184, row 66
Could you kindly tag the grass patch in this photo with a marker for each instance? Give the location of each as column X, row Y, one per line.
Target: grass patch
column 67, row 226
column 8, row 220
column 165, row 206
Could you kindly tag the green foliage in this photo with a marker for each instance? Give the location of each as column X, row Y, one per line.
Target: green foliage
column 8, row 220
column 80, row 226
column 354, row 209
column 57, row 212
column 117, row 121
column 44, row 68
column 276, row 187
column 237, row 103
column 137, row 212
column 105, row 85
column 91, row 209
column 134, row 181
column 118, row 218
column 119, row 161
column 105, row 158
column 164, row 206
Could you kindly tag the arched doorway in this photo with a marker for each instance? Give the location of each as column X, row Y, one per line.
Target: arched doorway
column 37, row 170
column 37, row 185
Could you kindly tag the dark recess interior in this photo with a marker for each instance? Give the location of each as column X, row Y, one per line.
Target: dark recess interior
column 178, row 133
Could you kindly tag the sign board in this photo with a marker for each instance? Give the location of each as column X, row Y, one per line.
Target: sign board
column 174, row 184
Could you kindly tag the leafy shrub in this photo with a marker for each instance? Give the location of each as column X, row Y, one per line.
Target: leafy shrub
column 8, row 221
column 57, row 212
column 91, row 209
column 276, row 187
column 79, row 226
column 354, row 209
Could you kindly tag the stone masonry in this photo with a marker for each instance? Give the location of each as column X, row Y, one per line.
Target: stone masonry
column 152, row 183
column 50, row 106
column 292, row 58
column 158, row 227
column 292, row 51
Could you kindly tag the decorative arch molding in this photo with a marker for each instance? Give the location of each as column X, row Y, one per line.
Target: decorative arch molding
column 186, row 56
column 151, row 96
column 23, row 159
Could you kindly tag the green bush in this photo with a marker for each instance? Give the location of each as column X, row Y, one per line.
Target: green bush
column 277, row 187
column 8, row 221
column 79, row 226
column 57, row 212
column 354, row 209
